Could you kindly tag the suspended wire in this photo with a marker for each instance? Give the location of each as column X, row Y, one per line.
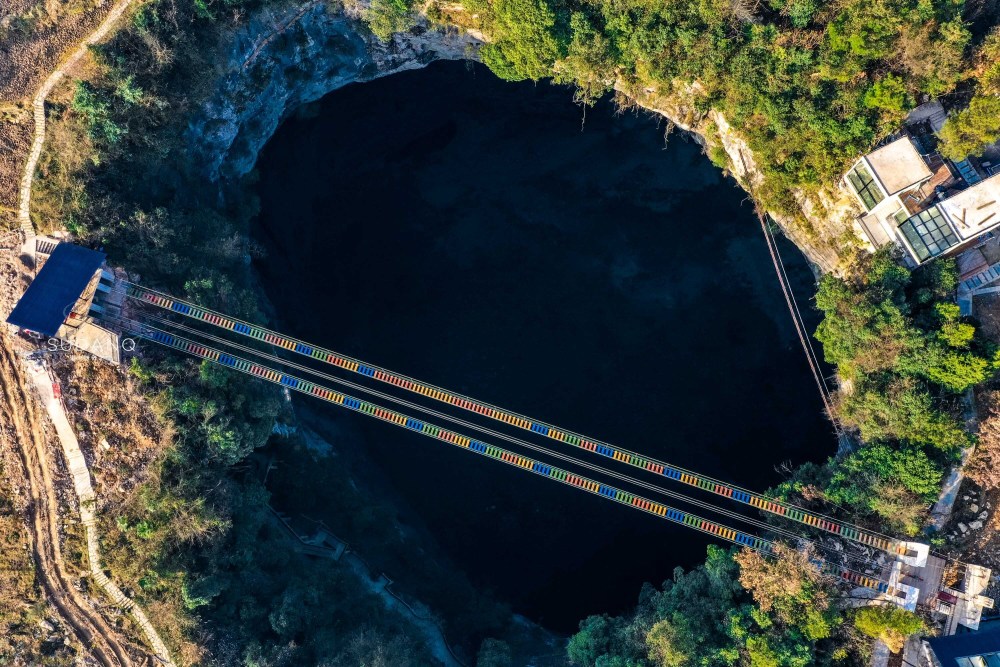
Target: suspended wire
column 799, row 326
column 811, row 350
column 802, row 338
column 514, row 440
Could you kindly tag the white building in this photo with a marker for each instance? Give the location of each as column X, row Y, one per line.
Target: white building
column 898, row 190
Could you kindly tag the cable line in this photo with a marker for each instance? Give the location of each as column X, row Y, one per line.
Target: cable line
column 709, row 484
column 487, row 431
column 800, row 331
column 491, row 451
column 810, row 348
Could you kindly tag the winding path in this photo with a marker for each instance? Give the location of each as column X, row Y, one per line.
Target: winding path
column 80, row 474
column 38, row 111
column 93, row 632
column 22, row 426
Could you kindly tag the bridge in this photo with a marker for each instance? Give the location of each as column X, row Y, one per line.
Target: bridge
column 875, row 566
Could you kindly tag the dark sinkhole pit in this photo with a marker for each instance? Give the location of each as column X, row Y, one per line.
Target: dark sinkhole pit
column 498, row 240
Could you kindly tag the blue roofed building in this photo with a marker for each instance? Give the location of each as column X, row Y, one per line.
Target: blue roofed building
column 54, row 295
column 968, row 649
column 59, row 302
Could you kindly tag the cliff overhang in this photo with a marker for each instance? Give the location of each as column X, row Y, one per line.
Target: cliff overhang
column 283, row 58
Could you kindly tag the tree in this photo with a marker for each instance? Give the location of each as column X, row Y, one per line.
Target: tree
column 971, row 130
column 866, row 326
column 387, row 17
column 369, row 648
column 888, row 95
column 591, row 641
column 987, row 62
column 687, row 622
column 787, row 583
column 878, row 463
column 669, row 646
column 528, row 37
column 894, row 483
column 889, row 623
column 794, row 622
column 888, row 407
column 494, row 653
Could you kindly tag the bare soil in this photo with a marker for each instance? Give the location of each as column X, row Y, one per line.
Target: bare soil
column 118, row 432
column 34, row 36
column 32, row 466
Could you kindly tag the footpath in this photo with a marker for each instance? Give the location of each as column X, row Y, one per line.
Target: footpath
column 80, row 474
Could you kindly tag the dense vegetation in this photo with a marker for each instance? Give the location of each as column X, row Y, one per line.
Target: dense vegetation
column 809, row 85
column 969, row 131
column 745, row 610
column 905, row 357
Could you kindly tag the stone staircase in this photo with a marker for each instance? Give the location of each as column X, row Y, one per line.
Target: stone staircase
column 983, row 278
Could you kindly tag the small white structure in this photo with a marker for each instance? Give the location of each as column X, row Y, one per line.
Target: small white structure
column 976, row 210
column 889, row 183
column 880, row 179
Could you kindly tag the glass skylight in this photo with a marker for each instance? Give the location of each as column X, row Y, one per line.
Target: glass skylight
column 928, row 233
column 864, row 184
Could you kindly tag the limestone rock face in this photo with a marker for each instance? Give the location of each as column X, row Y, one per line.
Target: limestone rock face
column 280, row 59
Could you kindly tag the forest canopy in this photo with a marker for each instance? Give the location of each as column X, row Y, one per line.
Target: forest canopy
column 810, row 85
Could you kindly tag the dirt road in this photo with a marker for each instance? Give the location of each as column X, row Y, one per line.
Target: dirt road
column 20, row 425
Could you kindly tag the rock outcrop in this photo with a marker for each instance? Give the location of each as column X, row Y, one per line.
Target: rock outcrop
column 280, row 59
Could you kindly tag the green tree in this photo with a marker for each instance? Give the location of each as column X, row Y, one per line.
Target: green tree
column 90, row 103
column 591, row 641
column 494, row 653
column 857, row 473
column 894, row 484
column 889, row 623
column 971, row 130
column 528, row 37
column 387, row 17
column 898, row 408
column 987, row 62
column 888, row 95
column 669, row 645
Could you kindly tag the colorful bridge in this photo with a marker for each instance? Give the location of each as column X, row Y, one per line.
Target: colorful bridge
column 660, row 468
column 660, row 510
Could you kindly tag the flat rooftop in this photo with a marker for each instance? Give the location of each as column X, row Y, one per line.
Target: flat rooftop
column 898, row 165
column 52, row 294
column 975, row 209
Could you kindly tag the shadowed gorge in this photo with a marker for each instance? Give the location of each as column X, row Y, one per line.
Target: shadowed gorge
column 487, row 237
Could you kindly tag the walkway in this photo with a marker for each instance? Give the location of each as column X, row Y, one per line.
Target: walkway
column 40, row 377
column 982, row 278
column 38, row 111
column 80, row 474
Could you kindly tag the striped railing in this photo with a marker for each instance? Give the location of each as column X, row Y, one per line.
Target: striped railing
column 661, row 468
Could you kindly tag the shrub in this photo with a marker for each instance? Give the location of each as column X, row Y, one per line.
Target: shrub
column 971, row 130
column 890, row 623
column 528, row 37
column 387, row 17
